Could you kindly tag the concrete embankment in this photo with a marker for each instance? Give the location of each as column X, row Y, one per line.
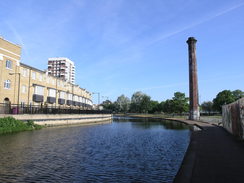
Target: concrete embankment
column 64, row 119
column 213, row 156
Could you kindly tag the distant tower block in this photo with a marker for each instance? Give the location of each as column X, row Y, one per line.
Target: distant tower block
column 193, row 84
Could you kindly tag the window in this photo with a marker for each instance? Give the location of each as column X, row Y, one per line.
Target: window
column 76, row 98
column 69, row 96
column 51, row 92
column 39, row 90
column 40, row 77
column 7, row 84
column 24, row 72
column 33, row 75
column 80, row 99
column 62, row 95
column 9, row 64
column 53, row 81
column 24, row 89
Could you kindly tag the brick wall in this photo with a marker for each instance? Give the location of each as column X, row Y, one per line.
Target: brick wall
column 233, row 118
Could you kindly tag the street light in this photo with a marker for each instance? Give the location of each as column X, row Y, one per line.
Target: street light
column 18, row 90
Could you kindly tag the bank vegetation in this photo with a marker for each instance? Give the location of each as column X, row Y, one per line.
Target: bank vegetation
column 11, row 125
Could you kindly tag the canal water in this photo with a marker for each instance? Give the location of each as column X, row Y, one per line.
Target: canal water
column 127, row 150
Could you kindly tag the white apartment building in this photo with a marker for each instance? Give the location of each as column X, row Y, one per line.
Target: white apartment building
column 63, row 68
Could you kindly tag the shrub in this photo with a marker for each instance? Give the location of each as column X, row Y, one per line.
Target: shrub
column 10, row 125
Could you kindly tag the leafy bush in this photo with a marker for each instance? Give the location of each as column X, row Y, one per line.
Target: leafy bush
column 10, row 125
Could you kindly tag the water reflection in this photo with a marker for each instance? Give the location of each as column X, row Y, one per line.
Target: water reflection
column 128, row 150
column 148, row 123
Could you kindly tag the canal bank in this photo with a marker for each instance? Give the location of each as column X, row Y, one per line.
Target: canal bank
column 213, row 155
column 63, row 119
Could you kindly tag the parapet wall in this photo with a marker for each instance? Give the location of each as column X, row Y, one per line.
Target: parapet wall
column 233, row 118
column 64, row 119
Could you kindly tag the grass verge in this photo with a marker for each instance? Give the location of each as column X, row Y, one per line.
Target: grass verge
column 10, row 125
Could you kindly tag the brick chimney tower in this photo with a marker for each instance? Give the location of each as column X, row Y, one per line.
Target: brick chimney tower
column 193, row 82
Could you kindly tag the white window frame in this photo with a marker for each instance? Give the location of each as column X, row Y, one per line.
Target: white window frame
column 24, row 88
column 62, row 94
column 7, row 84
column 40, row 77
column 24, row 72
column 80, row 99
column 70, row 96
column 76, row 99
column 39, row 90
column 33, row 75
column 9, row 64
column 51, row 92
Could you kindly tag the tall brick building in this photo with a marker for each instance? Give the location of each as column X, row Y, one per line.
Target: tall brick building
column 62, row 68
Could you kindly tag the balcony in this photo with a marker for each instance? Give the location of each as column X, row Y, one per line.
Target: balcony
column 51, row 100
column 69, row 102
column 75, row 103
column 61, row 101
column 37, row 98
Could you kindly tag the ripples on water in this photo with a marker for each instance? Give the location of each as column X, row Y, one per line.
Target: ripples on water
column 127, row 150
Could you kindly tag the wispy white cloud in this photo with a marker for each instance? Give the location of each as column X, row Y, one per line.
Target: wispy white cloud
column 161, row 37
column 133, row 46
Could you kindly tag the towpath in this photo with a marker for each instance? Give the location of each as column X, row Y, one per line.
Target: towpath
column 213, row 156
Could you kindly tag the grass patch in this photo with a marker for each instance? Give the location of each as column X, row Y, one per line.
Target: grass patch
column 10, row 125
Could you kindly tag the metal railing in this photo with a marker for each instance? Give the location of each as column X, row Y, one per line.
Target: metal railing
column 43, row 109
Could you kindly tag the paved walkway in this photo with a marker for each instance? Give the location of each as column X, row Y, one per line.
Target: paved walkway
column 213, row 156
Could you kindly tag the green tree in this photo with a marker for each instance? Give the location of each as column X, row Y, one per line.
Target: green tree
column 145, row 104
column 207, row 107
column 168, row 106
column 108, row 105
column 222, row 98
column 238, row 94
column 140, row 102
column 123, row 103
column 155, row 106
column 178, row 104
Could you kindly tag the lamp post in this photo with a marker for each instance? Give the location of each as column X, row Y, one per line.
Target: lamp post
column 18, row 90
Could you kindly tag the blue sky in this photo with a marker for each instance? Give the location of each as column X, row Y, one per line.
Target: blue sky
column 124, row 46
